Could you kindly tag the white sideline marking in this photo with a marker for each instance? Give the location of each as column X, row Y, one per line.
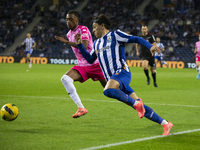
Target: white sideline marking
column 139, row 140
column 15, row 96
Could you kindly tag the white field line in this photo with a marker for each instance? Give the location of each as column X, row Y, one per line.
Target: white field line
column 139, row 140
column 115, row 101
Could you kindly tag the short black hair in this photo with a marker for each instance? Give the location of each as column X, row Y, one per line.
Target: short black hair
column 103, row 19
column 75, row 13
column 144, row 25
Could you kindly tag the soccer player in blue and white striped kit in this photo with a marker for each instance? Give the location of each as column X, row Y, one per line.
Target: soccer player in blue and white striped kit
column 30, row 44
column 159, row 57
column 109, row 48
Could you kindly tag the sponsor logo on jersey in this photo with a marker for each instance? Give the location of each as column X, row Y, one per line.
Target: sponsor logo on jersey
column 103, row 48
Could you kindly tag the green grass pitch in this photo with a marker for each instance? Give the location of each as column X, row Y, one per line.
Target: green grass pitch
column 45, row 111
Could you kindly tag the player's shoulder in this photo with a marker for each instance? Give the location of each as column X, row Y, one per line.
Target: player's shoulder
column 118, row 31
column 95, row 43
column 198, row 42
column 83, row 28
column 121, row 33
column 151, row 35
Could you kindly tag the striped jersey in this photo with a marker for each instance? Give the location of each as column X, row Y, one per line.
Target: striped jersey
column 110, row 50
column 160, row 45
column 29, row 43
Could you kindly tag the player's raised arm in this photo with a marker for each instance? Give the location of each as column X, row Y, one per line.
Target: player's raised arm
column 139, row 40
column 85, row 42
column 90, row 58
column 66, row 41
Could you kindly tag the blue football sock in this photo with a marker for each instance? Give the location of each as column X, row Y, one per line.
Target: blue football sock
column 29, row 61
column 151, row 115
column 119, row 95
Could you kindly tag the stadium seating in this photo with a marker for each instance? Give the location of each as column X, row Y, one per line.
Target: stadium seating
column 14, row 17
column 125, row 19
column 58, row 25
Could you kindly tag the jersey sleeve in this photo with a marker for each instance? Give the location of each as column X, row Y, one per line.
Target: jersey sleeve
column 85, row 33
column 122, row 36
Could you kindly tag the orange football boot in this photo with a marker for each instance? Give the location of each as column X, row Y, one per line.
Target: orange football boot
column 80, row 112
column 167, row 128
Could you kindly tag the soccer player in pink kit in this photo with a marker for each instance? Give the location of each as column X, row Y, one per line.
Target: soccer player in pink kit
column 197, row 51
column 83, row 71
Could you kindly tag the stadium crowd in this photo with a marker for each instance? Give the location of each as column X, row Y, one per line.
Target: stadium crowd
column 178, row 25
column 15, row 15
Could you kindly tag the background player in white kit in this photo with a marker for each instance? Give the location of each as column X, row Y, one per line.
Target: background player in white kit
column 197, row 51
column 84, row 70
column 159, row 57
column 30, row 44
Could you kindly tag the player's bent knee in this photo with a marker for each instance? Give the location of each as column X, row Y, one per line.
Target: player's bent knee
column 109, row 92
column 66, row 78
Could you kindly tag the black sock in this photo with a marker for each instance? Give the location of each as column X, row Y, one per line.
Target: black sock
column 146, row 73
column 154, row 76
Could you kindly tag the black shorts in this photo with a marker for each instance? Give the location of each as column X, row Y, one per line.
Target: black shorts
column 150, row 58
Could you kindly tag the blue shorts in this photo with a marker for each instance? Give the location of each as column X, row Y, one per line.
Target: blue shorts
column 159, row 58
column 28, row 52
column 124, row 79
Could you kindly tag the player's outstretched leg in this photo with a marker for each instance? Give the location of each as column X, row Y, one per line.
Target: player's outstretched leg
column 151, row 115
column 121, row 96
column 70, row 88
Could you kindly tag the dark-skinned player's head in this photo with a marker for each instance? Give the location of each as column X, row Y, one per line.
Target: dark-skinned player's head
column 72, row 19
column 100, row 24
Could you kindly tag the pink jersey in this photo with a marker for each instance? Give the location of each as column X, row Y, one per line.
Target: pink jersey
column 198, row 48
column 85, row 35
